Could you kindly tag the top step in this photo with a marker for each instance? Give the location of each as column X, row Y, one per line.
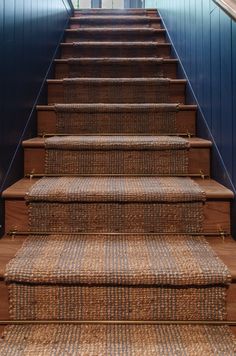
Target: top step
column 115, row 12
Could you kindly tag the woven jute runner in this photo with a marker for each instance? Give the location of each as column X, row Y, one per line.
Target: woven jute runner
column 108, row 204
column 108, row 21
column 116, row 155
column 116, row 118
column 116, row 90
column 115, row 67
column 128, row 277
column 125, row 340
column 118, row 49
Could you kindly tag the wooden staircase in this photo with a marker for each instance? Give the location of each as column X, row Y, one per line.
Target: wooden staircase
column 150, row 53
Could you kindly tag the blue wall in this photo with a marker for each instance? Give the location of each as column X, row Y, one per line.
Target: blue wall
column 29, row 34
column 204, row 38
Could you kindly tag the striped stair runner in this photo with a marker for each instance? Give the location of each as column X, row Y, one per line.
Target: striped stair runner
column 116, row 224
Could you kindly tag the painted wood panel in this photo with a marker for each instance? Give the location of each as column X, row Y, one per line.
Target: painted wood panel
column 29, row 34
column 204, row 37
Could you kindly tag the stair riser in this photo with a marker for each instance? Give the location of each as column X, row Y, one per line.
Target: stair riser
column 34, row 159
column 216, row 215
column 185, row 122
column 61, row 302
column 116, row 93
column 75, row 36
column 166, row 70
column 70, row 51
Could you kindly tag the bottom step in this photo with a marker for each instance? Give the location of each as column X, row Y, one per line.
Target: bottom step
column 117, row 340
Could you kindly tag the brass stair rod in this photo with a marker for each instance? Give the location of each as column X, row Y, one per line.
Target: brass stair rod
column 121, row 322
column 187, row 134
column 217, row 233
column 40, row 175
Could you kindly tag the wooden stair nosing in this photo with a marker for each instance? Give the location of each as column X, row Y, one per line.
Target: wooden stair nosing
column 213, row 189
column 34, row 156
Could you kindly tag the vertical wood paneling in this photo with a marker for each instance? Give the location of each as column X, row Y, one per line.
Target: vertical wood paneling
column 205, row 40
column 234, row 98
column 29, row 34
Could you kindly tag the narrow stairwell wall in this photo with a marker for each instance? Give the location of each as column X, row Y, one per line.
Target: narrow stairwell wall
column 29, row 34
column 204, row 38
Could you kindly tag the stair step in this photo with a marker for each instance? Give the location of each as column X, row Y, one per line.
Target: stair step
column 111, row 339
column 216, row 208
column 117, row 118
column 115, row 49
column 115, row 12
column 116, row 67
column 224, row 249
column 115, row 34
column 101, row 268
column 35, row 154
column 131, row 90
column 117, row 21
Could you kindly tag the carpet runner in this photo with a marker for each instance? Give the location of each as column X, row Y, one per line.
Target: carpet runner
column 119, row 49
column 117, row 277
column 117, row 248
column 116, row 155
column 116, row 204
column 116, row 90
column 125, row 67
column 116, row 118
column 108, row 21
column 116, row 34
column 135, row 340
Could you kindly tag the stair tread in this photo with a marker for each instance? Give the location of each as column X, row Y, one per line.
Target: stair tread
column 113, row 339
column 193, row 141
column 223, row 248
column 119, row 260
column 213, row 189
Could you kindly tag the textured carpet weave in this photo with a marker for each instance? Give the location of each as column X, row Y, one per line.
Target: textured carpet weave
column 136, row 189
column 118, row 259
column 116, row 90
column 93, row 340
column 118, row 49
column 116, row 34
column 116, row 155
column 117, row 277
column 108, row 21
column 94, row 204
column 116, row 67
column 116, row 118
